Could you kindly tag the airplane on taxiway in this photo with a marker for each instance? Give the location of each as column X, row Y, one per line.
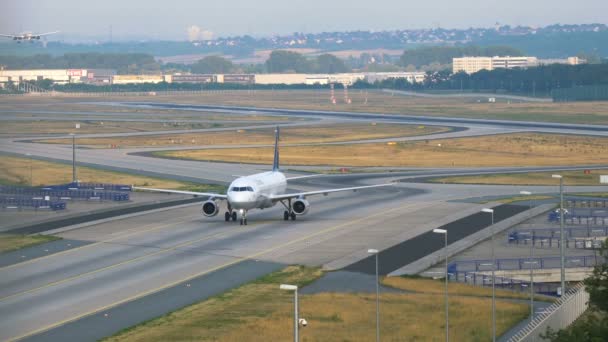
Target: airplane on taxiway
column 28, row 36
column 259, row 191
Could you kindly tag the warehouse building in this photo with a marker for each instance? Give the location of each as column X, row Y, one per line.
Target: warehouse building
column 58, row 76
column 472, row 65
column 194, row 78
column 412, row 77
column 138, row 79
column 237, row 78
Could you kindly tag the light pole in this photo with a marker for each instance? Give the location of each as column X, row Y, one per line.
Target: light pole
column 530, row 263
column 31, row 172
column 73, row 157
column 561, row 233
column 447, row 312
column 491, row 211
column 375, row 251
column 293, row 288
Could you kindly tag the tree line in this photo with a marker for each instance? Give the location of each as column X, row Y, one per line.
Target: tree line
column 537, row 81
column 135, row 63
column 123, row 63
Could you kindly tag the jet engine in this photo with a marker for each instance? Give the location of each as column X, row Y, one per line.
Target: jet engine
column 210, row 208
column 300, row 206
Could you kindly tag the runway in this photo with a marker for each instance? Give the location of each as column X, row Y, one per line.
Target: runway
column 121, row 263
column 138, row 256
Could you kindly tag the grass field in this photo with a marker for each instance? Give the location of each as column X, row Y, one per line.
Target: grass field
column 530, row 178
column 591, row 194
column 15, row 170
column 377, row 102
column 314, row 134
column 11, row 242
column 259, row 311
column 527, row 149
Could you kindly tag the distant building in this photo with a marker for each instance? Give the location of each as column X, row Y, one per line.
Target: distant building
column 194, row 78
column 137, row 79
column 472, row 65
column 513, row 62
column 285, row 79
column 412, row 77
column 237, row 78
column 568, row 61
column 58, row 76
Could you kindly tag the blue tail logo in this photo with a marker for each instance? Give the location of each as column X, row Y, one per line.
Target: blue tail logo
column 275, row 164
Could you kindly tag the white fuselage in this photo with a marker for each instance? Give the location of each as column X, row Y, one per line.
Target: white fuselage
column 253, row 192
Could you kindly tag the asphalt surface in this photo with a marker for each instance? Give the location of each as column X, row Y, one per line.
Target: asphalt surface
column 422, row 245
column 108, row 322
column 36, row 228
column 135, row 257
column 39, row 251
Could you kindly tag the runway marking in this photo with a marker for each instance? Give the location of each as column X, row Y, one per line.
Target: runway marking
column 124, row 262
column 154, row 227
column 177, row 282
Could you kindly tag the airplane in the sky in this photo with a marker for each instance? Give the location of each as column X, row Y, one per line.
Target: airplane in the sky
column 28, row 36
column 259, row 191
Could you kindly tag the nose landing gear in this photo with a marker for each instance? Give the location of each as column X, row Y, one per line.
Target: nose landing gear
column 243, row 218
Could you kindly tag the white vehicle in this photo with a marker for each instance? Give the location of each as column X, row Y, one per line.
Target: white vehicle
column 28, row 36
column 259, row 191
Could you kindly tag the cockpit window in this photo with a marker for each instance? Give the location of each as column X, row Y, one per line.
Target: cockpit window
column 242, row 188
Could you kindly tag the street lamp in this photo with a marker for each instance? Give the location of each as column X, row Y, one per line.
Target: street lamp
column 73, row 157
column 528, row 193
column 375, row 251
column 561, row 232
column 491, row 211
column 293, row 288
column 447, row 312
column 31, row 172
column 531, row 263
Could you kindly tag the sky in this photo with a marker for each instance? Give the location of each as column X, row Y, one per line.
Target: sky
column 155, row 19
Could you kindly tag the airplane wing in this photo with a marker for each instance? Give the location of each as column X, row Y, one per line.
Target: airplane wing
column 7, row 35
column 325, row 192
column 195, row 193
column 46, row 34
column 307, row 176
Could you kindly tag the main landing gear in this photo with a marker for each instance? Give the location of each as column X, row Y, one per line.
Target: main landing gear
column 287, row 214
column 230, row 214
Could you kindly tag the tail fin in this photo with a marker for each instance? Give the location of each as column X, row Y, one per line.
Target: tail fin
column 275, row 164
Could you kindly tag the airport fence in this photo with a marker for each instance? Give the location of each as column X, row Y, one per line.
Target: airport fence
column 557, row 316
column 514, row 264
column 574, row 237
column 70, row 194
column 585, row 203
column 36, row 203
column 483, row 279
column 90, row 186
column 578, row 216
